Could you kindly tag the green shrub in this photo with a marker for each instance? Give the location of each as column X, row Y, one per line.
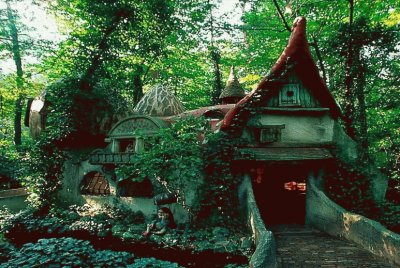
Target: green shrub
column 66, row 252
column 5, row 250
column 69, row 252
column 152, row 262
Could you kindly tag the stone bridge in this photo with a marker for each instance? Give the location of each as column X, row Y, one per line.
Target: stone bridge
column 299, row 246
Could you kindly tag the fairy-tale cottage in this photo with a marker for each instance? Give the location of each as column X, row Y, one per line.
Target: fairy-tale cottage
column 290, row 132
column 288, row 126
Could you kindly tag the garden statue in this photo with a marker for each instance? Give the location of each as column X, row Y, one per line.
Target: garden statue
column 161, row 225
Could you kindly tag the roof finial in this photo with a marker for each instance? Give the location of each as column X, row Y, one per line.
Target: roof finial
column 233, row 87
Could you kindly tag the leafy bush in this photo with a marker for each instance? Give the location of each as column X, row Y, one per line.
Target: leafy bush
column 350, row 188
column 66, row 252
column 5, row 250
column 152, row 262
column 76, row 218
column 69, row 252
column 45, row 163
column 108, row 222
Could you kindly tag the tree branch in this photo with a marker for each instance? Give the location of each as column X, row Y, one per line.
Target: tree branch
column 97, row 58
column 248, row 28
column 287, row 27
column 314, row 44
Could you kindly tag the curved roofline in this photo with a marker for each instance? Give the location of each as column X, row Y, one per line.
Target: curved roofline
column 157, row 121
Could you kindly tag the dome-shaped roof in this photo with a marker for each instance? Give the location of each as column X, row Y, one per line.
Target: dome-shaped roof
column 233, row 87
column 159, row 101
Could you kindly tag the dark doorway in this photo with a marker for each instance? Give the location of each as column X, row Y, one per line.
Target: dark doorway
column 281, row 193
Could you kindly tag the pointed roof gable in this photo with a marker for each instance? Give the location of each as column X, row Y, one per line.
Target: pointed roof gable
column 233, row 87
column 296, row 56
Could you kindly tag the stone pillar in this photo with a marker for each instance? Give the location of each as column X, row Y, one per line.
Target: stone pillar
column 115, row 146
column 139, row 145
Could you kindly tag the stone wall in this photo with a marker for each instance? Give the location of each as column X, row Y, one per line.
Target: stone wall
column 346, row 150
column 265, row 253
column 301, row 128
column 329, row 217
column 70, row 193
column 14, row 199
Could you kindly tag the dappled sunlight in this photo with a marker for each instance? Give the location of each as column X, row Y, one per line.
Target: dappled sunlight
column 349, row 219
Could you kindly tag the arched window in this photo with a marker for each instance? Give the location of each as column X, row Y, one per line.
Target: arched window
column 129, row 188
column 94, row 183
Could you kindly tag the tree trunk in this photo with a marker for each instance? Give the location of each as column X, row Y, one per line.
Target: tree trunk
column 137, row 85
column 314, row 44
column 362, row 135
column 20, row 74
column 217, row 89
column 85, row 84
column 215, row 57
column 348, row 81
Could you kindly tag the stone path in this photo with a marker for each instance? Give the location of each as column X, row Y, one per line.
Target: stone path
column 298, row 246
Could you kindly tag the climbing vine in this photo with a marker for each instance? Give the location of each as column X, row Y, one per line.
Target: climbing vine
column 173, row 157
column 219, row 201
column 350, row 187
column 69, row 125
column 189, row 156
column 45, row 165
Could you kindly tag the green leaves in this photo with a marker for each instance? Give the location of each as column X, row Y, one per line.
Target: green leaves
column 56, row 252
column 174, row 157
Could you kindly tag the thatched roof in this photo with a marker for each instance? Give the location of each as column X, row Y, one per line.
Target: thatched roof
column 233, row 87
column 159, row 101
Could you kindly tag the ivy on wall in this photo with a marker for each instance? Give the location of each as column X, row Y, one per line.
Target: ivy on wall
column 173, row 157
column 45, row 163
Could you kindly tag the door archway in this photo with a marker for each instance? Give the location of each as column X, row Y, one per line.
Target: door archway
column 280, row 192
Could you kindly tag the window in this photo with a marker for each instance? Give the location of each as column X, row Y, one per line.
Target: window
column 127, row 146
column 95, row 183
column 289, row 95
column 294, row 186
column 130, row 188
column 269, row 133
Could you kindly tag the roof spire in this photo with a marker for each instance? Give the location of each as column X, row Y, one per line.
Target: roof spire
column 233, row 89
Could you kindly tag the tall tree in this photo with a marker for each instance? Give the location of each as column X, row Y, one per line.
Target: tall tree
column 356, row 43
column 13, row 35
column 215, row 58
column 21, row 45
column 111, row 50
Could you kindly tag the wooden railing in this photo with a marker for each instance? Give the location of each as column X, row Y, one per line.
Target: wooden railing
column 111, row 158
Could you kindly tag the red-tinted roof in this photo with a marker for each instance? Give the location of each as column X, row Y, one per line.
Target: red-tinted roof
column 223, row 109
column 297, row 56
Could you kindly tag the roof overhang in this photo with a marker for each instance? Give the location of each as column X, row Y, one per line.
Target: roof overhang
column 282, row 154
